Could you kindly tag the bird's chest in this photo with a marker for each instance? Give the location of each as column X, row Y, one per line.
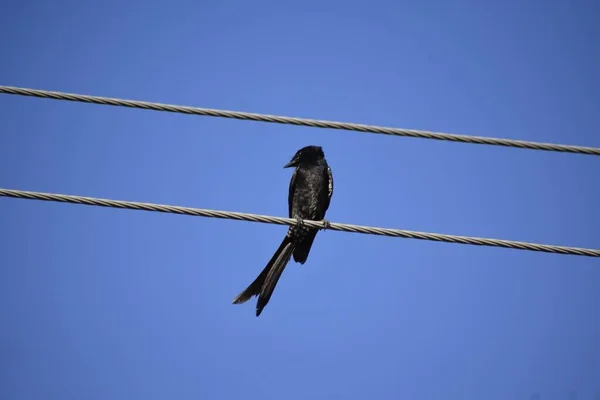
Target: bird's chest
column 307, row 194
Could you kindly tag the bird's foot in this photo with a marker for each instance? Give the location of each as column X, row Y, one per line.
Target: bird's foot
column 326, row 224
column 299, row 223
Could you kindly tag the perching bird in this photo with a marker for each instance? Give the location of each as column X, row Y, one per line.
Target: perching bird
column 309, row 195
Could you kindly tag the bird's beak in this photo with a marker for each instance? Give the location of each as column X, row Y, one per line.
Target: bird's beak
column 292, row 163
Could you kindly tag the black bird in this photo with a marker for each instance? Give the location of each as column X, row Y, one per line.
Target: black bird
column 309, row 195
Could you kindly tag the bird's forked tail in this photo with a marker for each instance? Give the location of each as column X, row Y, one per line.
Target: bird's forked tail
column 265, row 282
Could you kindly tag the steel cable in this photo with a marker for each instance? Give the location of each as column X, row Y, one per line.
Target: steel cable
column 21, row 194
column 299, row 121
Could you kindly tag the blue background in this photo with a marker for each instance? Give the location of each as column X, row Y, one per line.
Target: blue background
column 102, row 303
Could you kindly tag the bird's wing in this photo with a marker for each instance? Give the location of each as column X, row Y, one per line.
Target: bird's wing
column 330, row 185
column 291, row 193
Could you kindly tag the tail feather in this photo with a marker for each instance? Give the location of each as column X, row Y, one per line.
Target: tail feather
column 253, row 289
column 264, row 284
column 273, row 276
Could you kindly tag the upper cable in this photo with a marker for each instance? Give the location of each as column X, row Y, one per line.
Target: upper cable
column 315, row 123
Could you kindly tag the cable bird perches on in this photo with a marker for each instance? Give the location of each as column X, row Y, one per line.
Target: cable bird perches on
column 130, row 205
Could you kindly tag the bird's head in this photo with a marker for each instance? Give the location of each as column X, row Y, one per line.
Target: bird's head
column 307, row 155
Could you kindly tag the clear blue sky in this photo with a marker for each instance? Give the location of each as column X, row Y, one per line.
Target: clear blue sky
column 112, row 304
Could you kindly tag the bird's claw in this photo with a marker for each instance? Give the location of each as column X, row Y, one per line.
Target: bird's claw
column 326, row 224
column 299, row 223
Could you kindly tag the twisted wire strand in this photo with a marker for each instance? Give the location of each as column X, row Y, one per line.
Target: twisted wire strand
column 299, row 121
column 21, row 194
